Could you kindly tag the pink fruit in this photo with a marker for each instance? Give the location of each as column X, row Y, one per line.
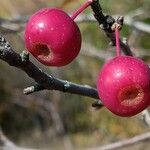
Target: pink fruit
column 124, row 85
column 52, row 37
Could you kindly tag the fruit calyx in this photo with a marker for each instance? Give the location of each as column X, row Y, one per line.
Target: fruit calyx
column 42, row 49
column 131, row 95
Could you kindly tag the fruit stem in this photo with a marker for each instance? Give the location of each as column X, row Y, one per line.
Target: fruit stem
column 82, row 8
column 117, row 35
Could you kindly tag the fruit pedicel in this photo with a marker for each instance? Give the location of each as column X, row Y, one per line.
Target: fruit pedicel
column 53, row 37
column 124, row 84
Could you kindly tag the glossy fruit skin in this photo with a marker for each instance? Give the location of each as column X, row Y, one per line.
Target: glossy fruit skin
column 124, row 85
column 52, row 37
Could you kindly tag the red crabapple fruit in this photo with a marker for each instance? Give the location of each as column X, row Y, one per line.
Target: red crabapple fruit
column 52, row 37
column 124, row 85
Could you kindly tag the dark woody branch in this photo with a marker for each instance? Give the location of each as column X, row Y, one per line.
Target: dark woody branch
column 44, row 80
column 106, row 23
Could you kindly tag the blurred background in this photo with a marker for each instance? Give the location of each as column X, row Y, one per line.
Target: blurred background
column 62, row 121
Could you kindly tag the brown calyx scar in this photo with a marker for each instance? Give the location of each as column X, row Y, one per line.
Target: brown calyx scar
column 42, row 49
column 131, row 95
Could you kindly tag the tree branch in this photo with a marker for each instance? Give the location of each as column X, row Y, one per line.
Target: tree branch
column 44, row 80
column 124, row 143
column 106, row 22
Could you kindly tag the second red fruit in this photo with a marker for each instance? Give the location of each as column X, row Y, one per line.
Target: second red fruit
column 52, row 37
column 124, row 85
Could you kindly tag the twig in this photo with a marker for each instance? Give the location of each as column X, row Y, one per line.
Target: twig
column 141, row 26
column 129, row 20
column 124, row 143
column 44, row 80
column 106, row 22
